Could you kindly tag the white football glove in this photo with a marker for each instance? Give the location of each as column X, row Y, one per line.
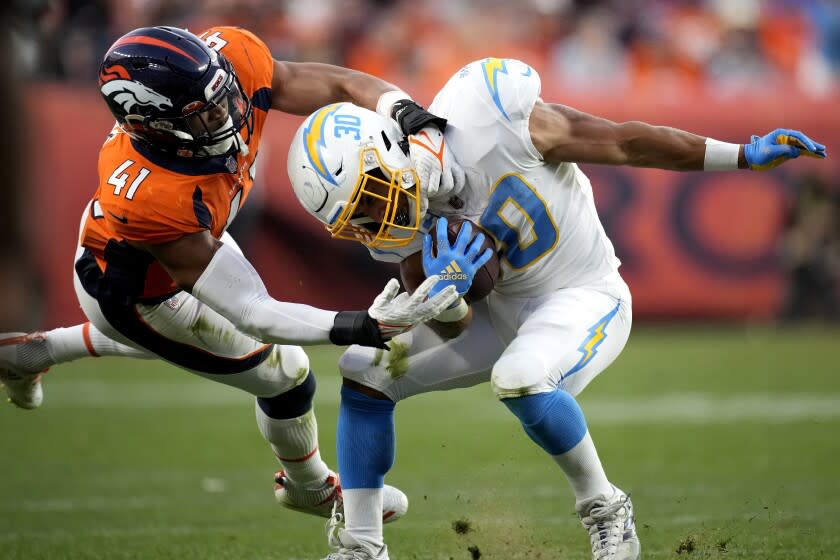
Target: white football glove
column 396, row 314
column 439, row 173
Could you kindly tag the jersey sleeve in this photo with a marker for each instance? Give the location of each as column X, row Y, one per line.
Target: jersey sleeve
column 510, row 85
column 493, row 99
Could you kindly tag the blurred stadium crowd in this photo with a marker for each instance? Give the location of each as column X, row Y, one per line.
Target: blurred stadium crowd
column 719, row 47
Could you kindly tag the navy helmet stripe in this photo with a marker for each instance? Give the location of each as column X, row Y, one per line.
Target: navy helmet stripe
column 144, row 40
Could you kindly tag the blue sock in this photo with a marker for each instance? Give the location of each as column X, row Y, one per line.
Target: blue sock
column 553, row 420
column 365, row 440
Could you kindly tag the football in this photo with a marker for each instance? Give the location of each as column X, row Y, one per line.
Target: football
column 411, row 268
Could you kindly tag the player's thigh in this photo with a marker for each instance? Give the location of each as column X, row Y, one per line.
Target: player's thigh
column 187, row 322
column 565, row 339
column 190, row 335
column 419, row 361
column 90, row 307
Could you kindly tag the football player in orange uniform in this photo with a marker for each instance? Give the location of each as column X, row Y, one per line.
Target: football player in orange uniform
column 157, row 275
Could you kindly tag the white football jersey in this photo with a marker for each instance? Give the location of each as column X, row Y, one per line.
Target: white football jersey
column 541, row 215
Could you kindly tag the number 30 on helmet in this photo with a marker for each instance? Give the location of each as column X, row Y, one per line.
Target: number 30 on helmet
column 345, row 161
column 171, row 91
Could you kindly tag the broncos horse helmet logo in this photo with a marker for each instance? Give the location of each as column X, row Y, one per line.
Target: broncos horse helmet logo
column 131, row 93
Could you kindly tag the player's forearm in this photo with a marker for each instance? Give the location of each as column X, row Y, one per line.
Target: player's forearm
column 301, row 88
column 661, row 147
column 562, row 134
column 231, row 287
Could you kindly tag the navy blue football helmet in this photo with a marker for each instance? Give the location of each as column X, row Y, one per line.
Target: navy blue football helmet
column 171, row 91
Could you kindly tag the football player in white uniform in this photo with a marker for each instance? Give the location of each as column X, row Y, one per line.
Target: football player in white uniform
column 560, row 312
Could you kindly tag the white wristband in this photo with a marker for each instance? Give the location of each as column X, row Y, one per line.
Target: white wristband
column 387, row 100
column 720, row 156
column 454, row 313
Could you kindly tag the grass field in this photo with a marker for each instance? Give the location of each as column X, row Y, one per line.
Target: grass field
column 727, row 439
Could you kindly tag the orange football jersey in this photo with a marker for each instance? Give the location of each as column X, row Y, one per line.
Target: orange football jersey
column 152, row 198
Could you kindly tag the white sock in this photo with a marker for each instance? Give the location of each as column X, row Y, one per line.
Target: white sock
column 105, row 346
column 295, row 443
column 583, row 468
column 81, row 341
column 363, row 515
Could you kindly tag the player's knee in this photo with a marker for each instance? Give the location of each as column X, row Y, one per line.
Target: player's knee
column 292, row 403
column 519, row 375
column 285, row 368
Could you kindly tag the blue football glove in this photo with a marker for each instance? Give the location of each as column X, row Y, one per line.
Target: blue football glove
column 771, row 150
column 455, row 265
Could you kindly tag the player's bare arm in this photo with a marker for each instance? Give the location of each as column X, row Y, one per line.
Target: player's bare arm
column 186, row 258
column 302, row 87
column 562, row 134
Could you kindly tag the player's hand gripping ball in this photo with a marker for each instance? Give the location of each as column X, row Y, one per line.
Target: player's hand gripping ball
column 485, row 276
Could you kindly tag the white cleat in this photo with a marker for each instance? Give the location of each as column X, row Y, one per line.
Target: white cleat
column 321, row 501
column 611, row 526
column 348, row 548
column 22, row 387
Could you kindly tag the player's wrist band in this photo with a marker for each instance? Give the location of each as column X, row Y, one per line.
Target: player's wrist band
column 356, row 327
column 454, row 312
column 387, row 100
column 720, row 156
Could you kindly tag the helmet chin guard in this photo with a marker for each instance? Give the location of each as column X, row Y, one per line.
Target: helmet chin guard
column 348, row 170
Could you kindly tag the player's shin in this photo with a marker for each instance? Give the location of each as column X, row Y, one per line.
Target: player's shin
column 366, row 448
column 287, row 422
column 555, row 422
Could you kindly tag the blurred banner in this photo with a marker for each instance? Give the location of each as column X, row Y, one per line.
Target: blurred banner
column 693, row 245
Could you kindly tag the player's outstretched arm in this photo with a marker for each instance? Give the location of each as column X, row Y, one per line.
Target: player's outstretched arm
column 301, row 88
column 562, row 134
column 222, row 278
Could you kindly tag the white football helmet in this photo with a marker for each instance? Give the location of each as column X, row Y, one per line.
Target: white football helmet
column 343, row 155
